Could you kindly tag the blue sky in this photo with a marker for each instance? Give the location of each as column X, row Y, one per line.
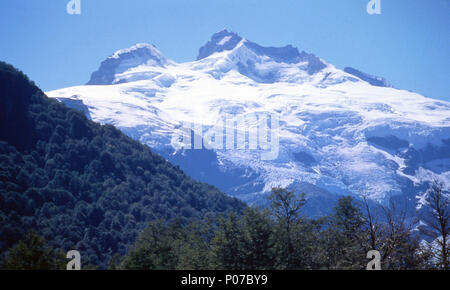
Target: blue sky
column 409, row 43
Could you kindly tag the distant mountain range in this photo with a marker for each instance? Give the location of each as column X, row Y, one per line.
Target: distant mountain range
column 341, row 131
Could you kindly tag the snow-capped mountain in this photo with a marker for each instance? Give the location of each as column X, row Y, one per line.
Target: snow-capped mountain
column 340, row 132
column 125, row 59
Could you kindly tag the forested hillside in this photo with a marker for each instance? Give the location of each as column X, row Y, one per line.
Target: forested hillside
column 81, row 185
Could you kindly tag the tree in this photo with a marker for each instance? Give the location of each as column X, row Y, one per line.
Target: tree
column 373, row 227
column 436, row 217
column 33, row 254
column 228, row 244
column 344, row 236
column 154, row 248
column 194, row 247
column 258, row 240
column 285, row 206
column 389, row 231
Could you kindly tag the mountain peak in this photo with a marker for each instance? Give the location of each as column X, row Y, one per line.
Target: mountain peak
column 260, row 63
column 124, row 59
column 138, row 48
column 220, row 41
column 227, row 40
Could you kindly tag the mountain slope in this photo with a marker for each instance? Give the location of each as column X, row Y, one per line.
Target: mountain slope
column 338, row 132
column 81, row 185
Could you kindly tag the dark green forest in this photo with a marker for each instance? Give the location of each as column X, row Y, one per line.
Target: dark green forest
column 81, row 185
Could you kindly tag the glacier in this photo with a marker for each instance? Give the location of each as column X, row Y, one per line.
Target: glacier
column 342, row 132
